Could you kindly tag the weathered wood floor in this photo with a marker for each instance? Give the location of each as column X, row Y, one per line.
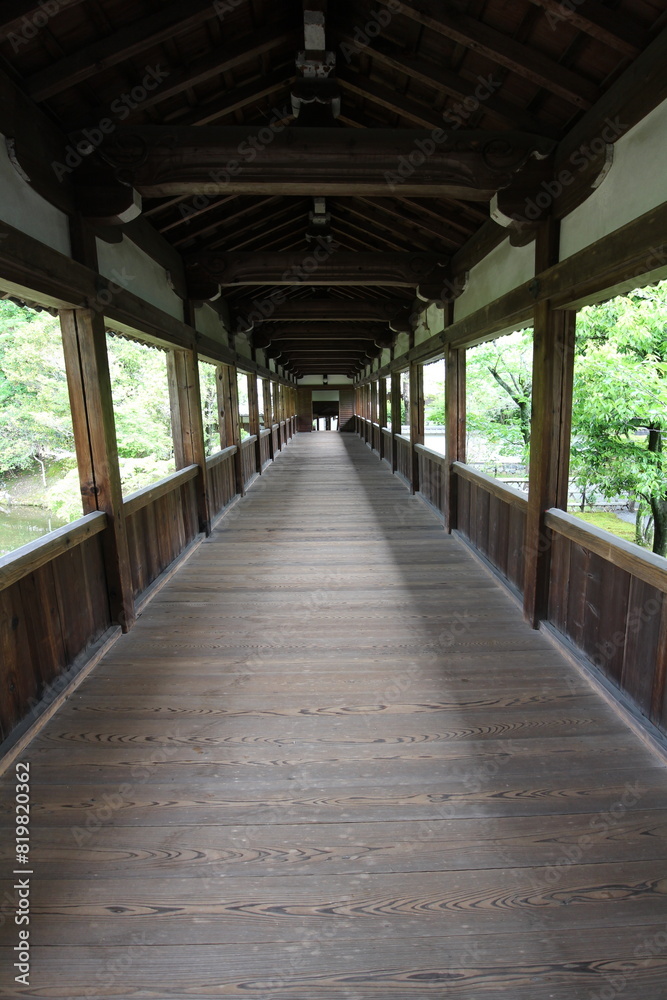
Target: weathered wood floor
column 332, row 763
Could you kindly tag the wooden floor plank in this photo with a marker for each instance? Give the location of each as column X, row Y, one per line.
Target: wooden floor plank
column 331, row 762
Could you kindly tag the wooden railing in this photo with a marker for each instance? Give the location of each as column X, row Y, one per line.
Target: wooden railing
column 432, row 467
column 376, row 437
column 275, row 437
column 161, row 520
column 221, row 479
column 403, row 458
column 249, row 459
column 54, row 608
column 265, row 446
column 607, row 598
column 492, row 517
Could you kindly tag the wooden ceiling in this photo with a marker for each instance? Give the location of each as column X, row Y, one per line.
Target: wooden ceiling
column 528, row 67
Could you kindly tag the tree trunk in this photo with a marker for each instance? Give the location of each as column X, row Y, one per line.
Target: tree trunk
column 659, row 502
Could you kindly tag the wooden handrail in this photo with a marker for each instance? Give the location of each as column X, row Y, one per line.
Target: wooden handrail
column 146, row 496
column 646, row 566
column 248, row 441
column 26, row 559
column 435, row 456
column 265, row 431
column 220, row 456
column 401, row 437
column 506, row 493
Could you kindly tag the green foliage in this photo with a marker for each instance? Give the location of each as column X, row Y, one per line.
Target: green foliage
column 609, row 522
column 498, row 390
column 35, row 420
column 135, row 473
column 620, row 401
column 140, row 398
column 209, row 404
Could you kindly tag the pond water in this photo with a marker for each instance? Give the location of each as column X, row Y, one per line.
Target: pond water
column 20, row 525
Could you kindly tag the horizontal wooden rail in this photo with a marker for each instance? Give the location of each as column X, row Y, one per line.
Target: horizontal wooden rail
column 402, row 437
column 248, row 441
column 645, row 566
column 220, row 456
column 142, row 498
column 507, row 493
column 434, row 456
column 15, row 565
column 265, row 431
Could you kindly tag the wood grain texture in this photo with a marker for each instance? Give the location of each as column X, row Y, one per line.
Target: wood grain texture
column 331, row 762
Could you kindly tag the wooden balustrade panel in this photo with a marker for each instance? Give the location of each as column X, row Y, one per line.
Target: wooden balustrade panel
column 616, row 620
column 376, row 438
column 265, row 448
column 386, row 444
column 47, row 619
column 496, row 527
column 248, row 460
column 221, row 484
column 432, row 481
column 275, row 434
column 159, row 532
column 404, row 459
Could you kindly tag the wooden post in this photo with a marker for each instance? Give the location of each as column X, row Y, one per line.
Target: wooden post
column 222, row 405
column 382, row 413
column 374, row 401
column 268, row 412
column 87, row 365
column 553, row 369
column 455, row 427
column 233, row 430
column 395, row 417
column 416, row 419
column 187, row 425
column 253, row 416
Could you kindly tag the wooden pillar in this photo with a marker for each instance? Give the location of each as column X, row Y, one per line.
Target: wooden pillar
column 268, row 412
column 416, row 419
column 455, row 427
column 253, row 414
column 382, row 413
column 222, row 405
column 233, row 431
column 374, row 402
column 551, row 421
column 187, row 425
column 395, row 417
column 87, row 365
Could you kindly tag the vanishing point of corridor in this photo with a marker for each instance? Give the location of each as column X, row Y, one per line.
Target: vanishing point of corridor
column 331, row 762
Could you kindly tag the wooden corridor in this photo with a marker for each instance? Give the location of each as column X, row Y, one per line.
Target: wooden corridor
column 331, row 762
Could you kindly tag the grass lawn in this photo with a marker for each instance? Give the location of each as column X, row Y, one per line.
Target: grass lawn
column 608, row 522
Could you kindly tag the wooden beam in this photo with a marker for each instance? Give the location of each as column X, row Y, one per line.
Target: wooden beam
column 614, row 30
column 324, row 310
column 87, row 366
column 632, row 96
column 553, row 367
column 25, row 18
column 537, row 67
column 317, row 330
column 321, row 266
column 420, row 115
column 321, row 346
column 236, row 98
column 215, row 64
column 123, row 44
column 436, row 77
column 318, row 161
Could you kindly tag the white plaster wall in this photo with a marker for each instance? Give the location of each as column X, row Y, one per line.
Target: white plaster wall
column 24, row 209
column 130, row 267
column 432, row 321
column 402, row 345
column 636, row 183
column 208, row 322
column 500, row 271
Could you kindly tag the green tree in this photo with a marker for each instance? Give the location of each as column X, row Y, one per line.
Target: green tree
column 498, row 389
column 620, row 401
column 35, row 419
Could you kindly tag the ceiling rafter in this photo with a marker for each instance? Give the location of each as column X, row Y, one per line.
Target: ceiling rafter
column 503, row 50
